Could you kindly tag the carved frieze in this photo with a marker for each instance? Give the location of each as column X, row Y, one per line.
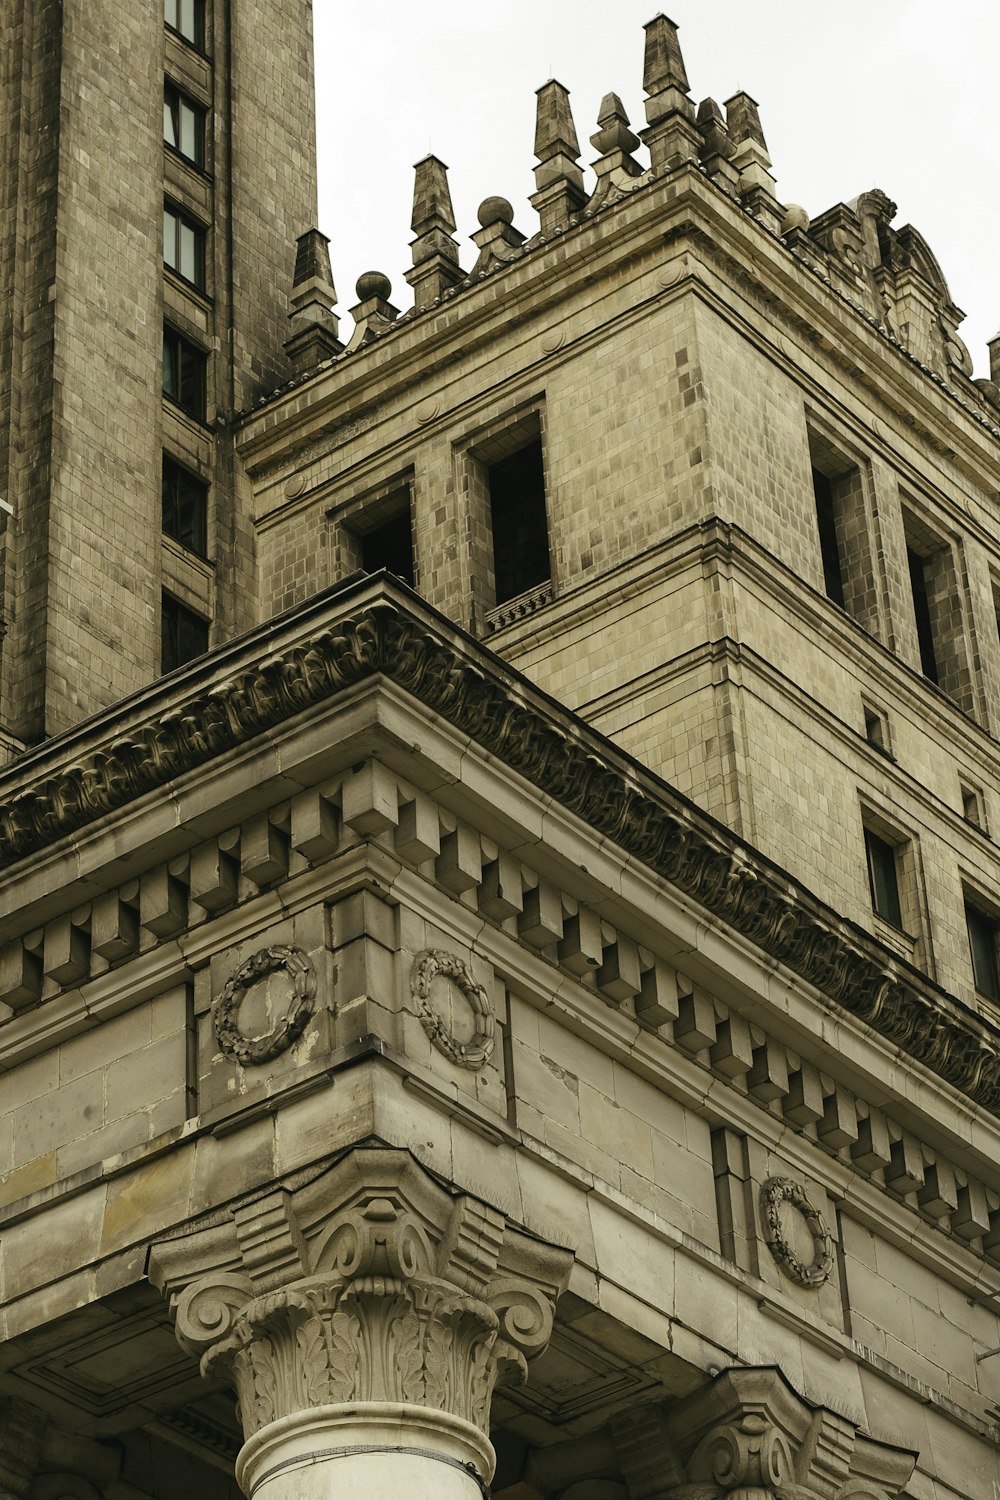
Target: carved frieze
column 436, row 963
column 647, row 822
column 252, row 1051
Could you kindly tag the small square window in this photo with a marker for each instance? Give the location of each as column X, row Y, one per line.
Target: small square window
column 184, row 246
column 185, row 507
column 982, row 930
column 187, row 17
column 184, row 373
column 183, row 634
column 883, row 878
column 876, row 729
column 184, row 125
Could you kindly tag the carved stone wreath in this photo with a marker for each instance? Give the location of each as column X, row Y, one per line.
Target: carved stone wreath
column 426, row 967
column 251, row 1051
column 774, row 1192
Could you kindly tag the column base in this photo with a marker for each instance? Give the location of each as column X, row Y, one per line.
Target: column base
column 378, row 1450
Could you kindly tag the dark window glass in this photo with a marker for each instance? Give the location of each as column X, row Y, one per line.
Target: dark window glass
column 922, row 612
column 882, row 878
column 983, row 948
column 185, row 507
column 517, row 516
column 183, row 634
column 833, row 577
column 188, row 18
column 184, row 246
column 184, row 374
column 390, row 546
column 184, row 125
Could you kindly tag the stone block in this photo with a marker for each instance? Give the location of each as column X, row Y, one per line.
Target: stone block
column 656, row 1003
column 418, row 833
column 20, row 976
column 66, row 955
column 971, row 1216
column 214, row 876
column 838, row 1126
column 732, row 1052
column 114, row 924
column 872, row 1149
column 163, row 901
column 695, row 1027
column 939, row 1194
column 581, row 949
column 363, row 914
column 263, row 850
column 369, row 800
column 804, row 1102
column 541, row 921
column 905, row 1170
column 768, row 1077
column 500, row 893
column 459, row 866
column 315, row 832
column 619, row 977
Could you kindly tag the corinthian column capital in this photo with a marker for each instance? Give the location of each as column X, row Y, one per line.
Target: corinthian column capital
column 368, row 1302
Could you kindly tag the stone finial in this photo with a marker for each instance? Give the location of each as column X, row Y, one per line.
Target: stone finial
column 374, row 313
column 670, row 136
column 616, row 168
column 752, row 161
column 558, row 176
column 496, row 239
column 717, row 149
column 315, row 325
column 434, row 250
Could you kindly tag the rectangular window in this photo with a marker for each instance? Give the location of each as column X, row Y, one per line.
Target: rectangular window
column 838, row 486
column 184, row 125
column 188, row 18
column 185, row 507
column 518, row 522
column 184, row 246
column 184, row 373
column 183, row 634
column 937, row 610
column 883, row 880
column 982, row 931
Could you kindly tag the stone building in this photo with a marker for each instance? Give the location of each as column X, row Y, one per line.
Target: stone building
column 499, row 954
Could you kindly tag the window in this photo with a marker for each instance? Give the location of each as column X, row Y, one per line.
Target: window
column 973, row 806
column 390, row 545
column 883, row 879
column 185, row 507
column 184, row 246
column 937, row 610
column 184, row 125
column 982, row 930
column 876, row 728
column 183, row 634
column 841, row 519
column 188, row 18
column 184, row 373
column 517, row 519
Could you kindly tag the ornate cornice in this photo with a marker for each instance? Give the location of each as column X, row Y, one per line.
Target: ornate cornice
column 459, row 682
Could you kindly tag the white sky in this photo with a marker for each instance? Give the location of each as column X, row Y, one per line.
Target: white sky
column 896, row 94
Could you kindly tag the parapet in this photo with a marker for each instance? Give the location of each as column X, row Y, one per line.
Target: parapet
column 888, row 275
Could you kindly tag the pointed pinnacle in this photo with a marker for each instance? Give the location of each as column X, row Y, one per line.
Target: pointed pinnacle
column 663, row 63
column 743, row 120
column 431, row 198
column 555, row 131
column 614, row 134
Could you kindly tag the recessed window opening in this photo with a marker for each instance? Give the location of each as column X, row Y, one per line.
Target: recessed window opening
column 183, row 634
column 875, row 729
column 185, row 507
column 184, row 246
column 917, row 566
column 841, row 521
column 183, row 125
column 833, row 577
column 187, row 17
column 982, row 930
column 184, row 373
column 383, row 535
column 518, row 522
column 883, row 879
column 938, row 614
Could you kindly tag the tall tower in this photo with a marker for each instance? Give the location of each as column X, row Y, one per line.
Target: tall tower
column 122, row 345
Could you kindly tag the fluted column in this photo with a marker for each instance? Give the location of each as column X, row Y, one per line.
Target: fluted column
column 364, row 1320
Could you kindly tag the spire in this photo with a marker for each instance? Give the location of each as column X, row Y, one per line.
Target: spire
column 497, row 240
column 434, row 250
column 616, row 167
column 315, row 325
column 558, row 176
column 751, row 160
column 670, row 134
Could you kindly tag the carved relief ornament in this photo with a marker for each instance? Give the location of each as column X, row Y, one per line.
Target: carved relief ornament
column 427, row 966
column 252, row 1051
column 775, row 1192
column 371, row 1284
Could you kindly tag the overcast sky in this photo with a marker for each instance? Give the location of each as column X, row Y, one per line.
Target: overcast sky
column 896, row 94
